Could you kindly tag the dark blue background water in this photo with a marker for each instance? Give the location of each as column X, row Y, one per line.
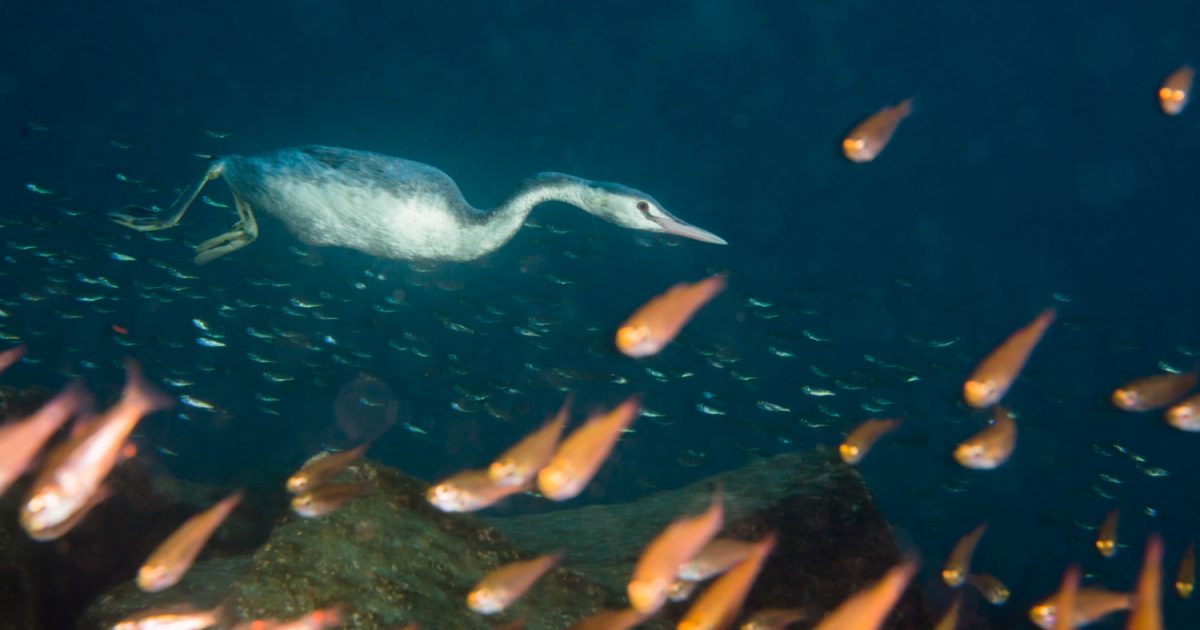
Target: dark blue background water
column 1036, row 162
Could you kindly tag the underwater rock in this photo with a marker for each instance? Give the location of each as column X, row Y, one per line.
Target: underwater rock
column 390, row 558
column 51, row 584
column 832, row 540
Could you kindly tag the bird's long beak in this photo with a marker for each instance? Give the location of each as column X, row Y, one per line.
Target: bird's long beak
column 671, row 225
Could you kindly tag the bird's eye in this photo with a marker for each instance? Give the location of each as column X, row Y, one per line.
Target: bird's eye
column 643, row 206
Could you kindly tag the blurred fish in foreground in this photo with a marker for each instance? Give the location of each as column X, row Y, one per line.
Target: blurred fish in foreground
column 990, row 447
column 662, row 558
column 1090, row 604
column 949, row 621
column 714, row 559
column 996, row 372
column 71, row 480
column 175, row 555
column 656, row 322
column 860, row 440
column 21, row 440
column 868, row 608
column 520, row 464
column 1185, row 414
column 1154, row 391
column 958, row 564
column 583, row 452
column 176, row 618
column 1147, row 595
column 319, row 619
column 505, row 585
column 719, row 604
column 11, row 356
column 468, row 491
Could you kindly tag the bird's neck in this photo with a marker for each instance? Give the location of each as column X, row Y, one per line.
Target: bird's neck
column 508, row 217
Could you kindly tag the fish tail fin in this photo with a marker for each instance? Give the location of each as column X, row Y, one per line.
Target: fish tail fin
column 140, row 393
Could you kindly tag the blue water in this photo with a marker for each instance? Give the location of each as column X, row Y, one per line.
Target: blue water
column 1036, row 162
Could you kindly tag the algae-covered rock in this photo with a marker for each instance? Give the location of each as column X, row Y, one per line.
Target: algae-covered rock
column 59, row 579
column 390, row 558
column 832, row 540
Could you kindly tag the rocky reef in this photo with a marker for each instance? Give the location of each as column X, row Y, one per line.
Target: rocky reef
column 390, row 558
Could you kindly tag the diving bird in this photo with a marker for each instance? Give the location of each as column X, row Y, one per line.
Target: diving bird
column 391, row 207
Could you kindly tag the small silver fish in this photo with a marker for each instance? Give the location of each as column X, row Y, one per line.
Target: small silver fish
column 197, row 403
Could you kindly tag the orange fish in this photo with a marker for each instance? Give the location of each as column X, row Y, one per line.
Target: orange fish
column 518, row 465
column 1067, row 598
column 867, row 609
column 1175, row 90
column 1152, row 392
column 1185, row 576
column 316, row 620
column 996, row 373
column 1146, row 613
column 1091, row 604
column 326, row 498
column 175, row 555
column 868, row 139
column 958, row 565
column 990, row 587
column 715, row 558
column 1106, row 536
column 174, row 618
column 719, row 604
column 949, row 620
column 21, row 440
column 676, row 544
column 500, row 588
column 1185, row 414
column 859, row 442
column 773, row 619
column 583, row 452
column 71, row 479
column 657, row 322
column 321, row 468
column 468, row 491
column 610, row 620
column 11, row 356
column 992, row 446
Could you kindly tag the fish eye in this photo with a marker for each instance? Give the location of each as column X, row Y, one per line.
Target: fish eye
column 643, row 205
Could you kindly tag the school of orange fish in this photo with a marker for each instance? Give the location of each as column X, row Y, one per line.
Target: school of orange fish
column 70, row 481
